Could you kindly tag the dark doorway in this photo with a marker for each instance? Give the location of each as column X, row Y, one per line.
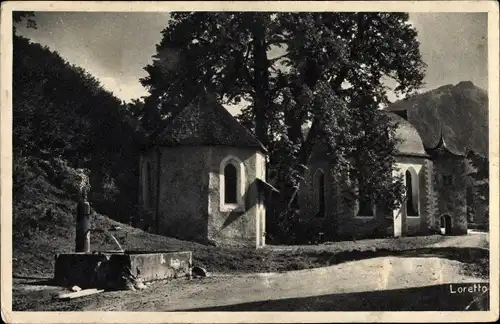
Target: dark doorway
column 445, row 225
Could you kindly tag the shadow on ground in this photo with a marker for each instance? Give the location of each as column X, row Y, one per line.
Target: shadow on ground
column 476, row 260
column 466, row 255
column 429, row 298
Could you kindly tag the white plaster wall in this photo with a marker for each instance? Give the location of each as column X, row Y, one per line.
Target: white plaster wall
column 260, row 219
column 402, row 222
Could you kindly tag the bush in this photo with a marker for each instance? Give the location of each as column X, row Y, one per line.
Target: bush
column 142, row 218
column 104, row 196
column 288, row 228
column 73, row 181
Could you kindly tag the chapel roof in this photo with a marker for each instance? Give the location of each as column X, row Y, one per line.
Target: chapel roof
column 442, row 146
column 410, row 141
column 206, row 122
column 442, row 143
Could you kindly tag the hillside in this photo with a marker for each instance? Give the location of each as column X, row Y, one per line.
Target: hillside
column 37, row 236
column 463, row 110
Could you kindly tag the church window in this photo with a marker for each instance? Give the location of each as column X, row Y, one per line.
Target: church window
column 365, row 206
column 232, row 180
column 150, row 186
column 319, row 183
column 411, row 193
column 147, row 185
column 230, row 184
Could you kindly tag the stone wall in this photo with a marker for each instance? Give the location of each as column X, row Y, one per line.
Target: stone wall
column 148, row 191
column 341, row 220
column 308, row 198
column 451, row 198
column 184, row 192
column 430, row 201
column 145, row 194
column 413, row 225
column 189, row 205
column 237, row 227
column 115, row 270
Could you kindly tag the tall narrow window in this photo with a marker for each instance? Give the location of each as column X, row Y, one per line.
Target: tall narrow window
column 411, row 194
column 230, row 184
column 149, row 185
column 319, row 179
column 365, row 204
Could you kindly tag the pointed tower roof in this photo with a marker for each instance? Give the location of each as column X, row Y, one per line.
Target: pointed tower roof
column 206, row 122
column 442, row 147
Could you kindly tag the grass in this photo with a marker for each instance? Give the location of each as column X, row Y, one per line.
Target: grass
column 34, row 256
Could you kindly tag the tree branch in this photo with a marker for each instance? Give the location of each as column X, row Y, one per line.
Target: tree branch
column 336, row 83
column 278, row 58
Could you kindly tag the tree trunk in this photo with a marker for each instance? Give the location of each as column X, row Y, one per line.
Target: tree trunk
column 261, row 80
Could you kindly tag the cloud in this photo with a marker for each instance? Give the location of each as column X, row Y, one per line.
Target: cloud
column 454, row 46
column 112, row 46
column 115, row 47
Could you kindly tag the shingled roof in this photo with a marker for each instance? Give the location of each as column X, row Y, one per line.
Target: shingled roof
column 206, row 122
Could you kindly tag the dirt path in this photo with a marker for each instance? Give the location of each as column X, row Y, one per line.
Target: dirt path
column 402, row 282
column 386, row 275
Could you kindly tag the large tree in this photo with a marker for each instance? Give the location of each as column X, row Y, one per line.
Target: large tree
column 288, row 70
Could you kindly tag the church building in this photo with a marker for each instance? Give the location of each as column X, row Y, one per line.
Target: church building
column 204, row 179
column 435, row 178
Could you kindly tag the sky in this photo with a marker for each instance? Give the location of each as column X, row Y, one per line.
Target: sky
column 115, row 47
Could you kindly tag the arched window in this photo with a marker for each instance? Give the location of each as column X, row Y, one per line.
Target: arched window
column 411, row 193
column 445, row 224
column 319, row 188
column 149, row 185
column 232, row 184
column 365, row 204
column 145, row 183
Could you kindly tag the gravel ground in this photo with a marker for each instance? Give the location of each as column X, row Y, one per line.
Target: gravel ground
column 408, row 281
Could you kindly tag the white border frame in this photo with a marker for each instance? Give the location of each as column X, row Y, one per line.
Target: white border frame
column 249, row 317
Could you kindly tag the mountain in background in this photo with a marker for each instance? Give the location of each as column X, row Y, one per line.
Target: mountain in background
column 462, row 109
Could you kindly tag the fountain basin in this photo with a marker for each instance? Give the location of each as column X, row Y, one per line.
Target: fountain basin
column 108, row 269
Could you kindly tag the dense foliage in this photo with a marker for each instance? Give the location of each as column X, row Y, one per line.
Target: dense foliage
column 288, row 70
column 62, row 113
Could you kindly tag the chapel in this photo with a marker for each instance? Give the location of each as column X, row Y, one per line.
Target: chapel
column 203, row 178
column 435, row 177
